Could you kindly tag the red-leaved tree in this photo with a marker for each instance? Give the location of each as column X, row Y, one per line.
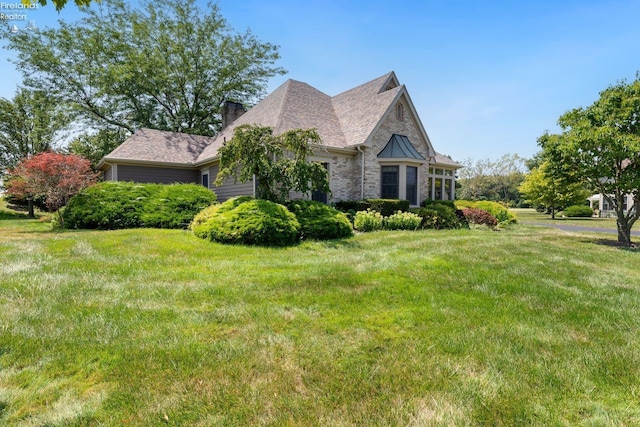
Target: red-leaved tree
column 51, row 177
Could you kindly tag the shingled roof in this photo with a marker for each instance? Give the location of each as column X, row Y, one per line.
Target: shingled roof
column 342, row 121
column 150, row 145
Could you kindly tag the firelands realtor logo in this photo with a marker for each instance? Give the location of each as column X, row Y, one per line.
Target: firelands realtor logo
column 18, row 11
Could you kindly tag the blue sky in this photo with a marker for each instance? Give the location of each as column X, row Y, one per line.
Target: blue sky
column 487, row 78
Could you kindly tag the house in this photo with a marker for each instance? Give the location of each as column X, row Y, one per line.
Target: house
column 373, row 145
column 601, row 205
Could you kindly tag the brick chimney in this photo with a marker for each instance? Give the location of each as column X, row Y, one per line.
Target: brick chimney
column 230, row 112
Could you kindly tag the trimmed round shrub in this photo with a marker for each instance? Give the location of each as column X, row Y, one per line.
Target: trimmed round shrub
column 319, row 221
column 402, row 221
column 479, row 217
column 116, row 205
column 249, row 222
column 438, row 216
column 108, row 206
column 175, row 205
column 578, row 211
column 368, row 220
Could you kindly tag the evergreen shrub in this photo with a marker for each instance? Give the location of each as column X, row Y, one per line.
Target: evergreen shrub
column 116, row 205
column 249, row 222
column 578, row 211
column 319, row 221
column 438, row 216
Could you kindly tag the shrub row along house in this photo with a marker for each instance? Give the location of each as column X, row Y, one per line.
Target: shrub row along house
column 373, row 145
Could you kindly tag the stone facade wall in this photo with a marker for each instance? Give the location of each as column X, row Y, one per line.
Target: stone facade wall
column 344, row 177
column 392, row 124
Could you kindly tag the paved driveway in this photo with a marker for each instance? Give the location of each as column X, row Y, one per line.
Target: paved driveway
column 578, row 228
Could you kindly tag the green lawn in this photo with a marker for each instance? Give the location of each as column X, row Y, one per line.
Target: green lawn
column 531, row 216
column 525, row 326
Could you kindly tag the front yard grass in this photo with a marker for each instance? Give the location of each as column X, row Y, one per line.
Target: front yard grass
column 526, row 326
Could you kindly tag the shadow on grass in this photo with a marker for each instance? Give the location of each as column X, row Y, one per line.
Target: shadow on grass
column 614, row 243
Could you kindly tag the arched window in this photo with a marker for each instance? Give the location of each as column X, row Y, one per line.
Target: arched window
column 400, row 111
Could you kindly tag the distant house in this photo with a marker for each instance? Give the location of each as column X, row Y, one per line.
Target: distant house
column 601, row 205
column 373, row 145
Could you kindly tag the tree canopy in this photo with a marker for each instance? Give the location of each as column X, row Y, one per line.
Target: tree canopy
column 59, row 4
column 30, row 123
column 600, row 146
column 164, row 64
column 279, row 162
column 540, row 187
column 492, row 180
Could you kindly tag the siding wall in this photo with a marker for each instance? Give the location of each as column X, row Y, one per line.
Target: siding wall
column 108, row 174
column 229, row 189
column 157, row 174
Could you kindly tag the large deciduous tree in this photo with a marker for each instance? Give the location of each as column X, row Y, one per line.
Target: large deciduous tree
column 279, row 163
column 600, row 146
column 163, row 64
column 51, row 177
column 30, row 123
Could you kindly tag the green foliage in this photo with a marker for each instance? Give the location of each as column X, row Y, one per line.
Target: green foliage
column 479, row 217
column 249, row 222
column 116, row 205
column 578, row 211
column 352, row 205
column 319, row 221
column 426, row 203
column 492, row 180
column 542, row 188
column 387, row 207
column 31, row 123
column 498, row 210
column 278, row 162
column 599, row 148
column 161, row 64
column 368, row 220
column 402, row 221
column 501, row 213
column 438, row 216
column 175, row 205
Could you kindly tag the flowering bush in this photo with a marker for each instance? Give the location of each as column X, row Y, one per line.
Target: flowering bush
column 368, row 220
column 402, row 221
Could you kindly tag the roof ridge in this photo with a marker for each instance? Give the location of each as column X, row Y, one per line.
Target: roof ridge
column 283, row 102
column 385, row 76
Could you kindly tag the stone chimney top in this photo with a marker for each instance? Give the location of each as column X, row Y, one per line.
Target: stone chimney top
column 230, row 112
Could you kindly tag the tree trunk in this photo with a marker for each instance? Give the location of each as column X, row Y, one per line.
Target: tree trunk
column 30, row 207
column 553, row 213
column 624, row 234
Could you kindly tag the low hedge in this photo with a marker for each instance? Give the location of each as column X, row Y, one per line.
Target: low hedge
column 319, row 221
column 386, row 207
column 438, row 216
column 117, row 205
column 249, row 222
column 578, row 211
